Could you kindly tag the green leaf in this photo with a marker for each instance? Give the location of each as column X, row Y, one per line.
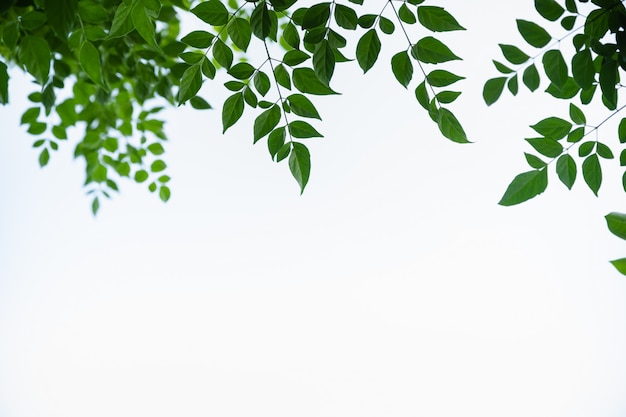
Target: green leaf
column 621, row 131
column 604, row 151
column 386, row 26
column 141, row 176
column 158, row 166
column 156, row 149
column 620, row 265
column 524, row 187
column 199, row 103
column 242, row 70
column 266, row 122
column 549, row 9
column 302, row 106
column 303, row 130
column 577, row 115
column 532, row 33
column 534, row 161
column 566, row 92
column 4, row 83
column 531, row 77
column 144, row 24
column 446, row 97
column 568, row 22
column 324, row 61
column 450, row 126
column 501, row 67
column 300, row 164
column 305, row 80
column 616, row 223
column 406, row 15
column 190, row 84
column 367, row 50
column 282, row 76
column 44, row 157
column 198, row 39
column 421, row 94
column 402, row 68
column 34, row 54
column 222, row 54
column 95, row 206
column 566, row 170
column 260, row 21
column 295, row 57
column 232, row 110
column 240, row 33
column 89, row 11
column 513, row 54
column 493, row 90
column 212, row 12
column 592, row 173
column 442, row 78
column 262, row 83
column 432, row 51
column 346, row 17
column 61, row 17
column 437, row 19
column 164, row 193
column 583, row 69
column 553, row 127
column 608, row 80
column 316, row 15
column 512, row 85
column 555, row 67
column 30, row 115
column 586, row 148
column 122, row 21
column 546, row 146
column 275, row 141
column 291, row 36
column 89, row 59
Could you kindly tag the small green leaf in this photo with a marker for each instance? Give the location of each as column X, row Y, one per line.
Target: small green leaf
column 44, row 157
column 95, row 206
column 534, row 161
column 501, row 67
column 198, row 39
column 303, row 130
column 546, row 146
column 586, row 148
column 621, row 131
column 524, row 187
column 34, row 54
column 156, row 149
column 604, row 151
column 406, row 15
column 386, row 26
column 442, row 78
column 450, row 126
column 164, row 193
column 513, row 54
column 242, row 70
column 324, row 61
column 608, row 80
column 212, row 12
column 446, row 97
column 158, row 166
column 232, row 110
column 295, row 57
column 276, row 140
column 592, row 173
column 513, row 85
column 300, row 164
column 262, row 83
column 4, row 83
column 531, row 77
column 141, row 176
column 30, row 115
column 345, row 17
column 222, row 54
column 282, row 76
column 240, row 33
column 549, row 9
column 566, row 170
column 577, row 115
column 620, row 265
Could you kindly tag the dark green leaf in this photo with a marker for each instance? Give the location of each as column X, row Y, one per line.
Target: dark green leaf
column 549, row 9
column 61, row 17
column 555, row 67
column 291, row 36
column 300, row 164
column 190, row 84
column 567, row 91
column 89, row 58
column 493, row 90
column 531, row 77
column 422, row 95
column 592, row 173
column 302, row 129
column 241, row 71
column 446, row 97
column 198, row 39
column 586, row 148
column 566, row 170
column 305, row 80
column 437, row 19
column 316, row 15
column 616, row 223
column 512, row 85
column 532, row 33
column 240, row 32
column 553, row 127
column 583, row 69
column 212, row 12
column 34, row 53
column 386, row 26
column 222, row 54
column 367, row 50
column 324, row 61
column 502, row 68
column 260, row 21
column 4, row 83
column 442, row 78
column 275, row 141
column 450, row 126
column 262, row 83
column 282, row 76
column 621, row 131
column 406, row 15
column 345, row 17
column 302, row 106
column 266, row 122
column 577, row 115
column 295, row 57
column 232, row 110
column 199, row 103
column 402, row 68
column 546, row 146
column 432, row 51
column 513, row 54
column 524, row 187
column 604, row 151
column 534, row 161
column 608, row 81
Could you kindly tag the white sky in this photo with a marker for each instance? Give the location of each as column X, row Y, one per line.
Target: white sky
column 394, row 286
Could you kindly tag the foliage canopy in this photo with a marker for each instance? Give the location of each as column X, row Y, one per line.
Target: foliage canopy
column 108, row 68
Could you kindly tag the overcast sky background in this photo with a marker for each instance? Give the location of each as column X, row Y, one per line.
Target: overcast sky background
column 394, row 286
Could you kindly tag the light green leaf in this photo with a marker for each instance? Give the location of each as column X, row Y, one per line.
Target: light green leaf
column 524, row 187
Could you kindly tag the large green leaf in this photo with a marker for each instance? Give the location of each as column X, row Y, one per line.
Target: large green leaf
column 553, row 127
column 513, row 54
column 555, row 67
column 260, row 21
column 532, row 33
column 144, row 24
column 367, row 50
column 583, row 69
column 450, row 126
column 300, row 164
column 608, row 81
column 302, row 106
column 442, row 78
column 303, row 130
column 549, row 9
column 324, row 61
column 240, row 33
column 315, row 16
column 432, row 51
column 212, row 12
column 61, row 15
column 346, row 17
column 531, row 77
column 546, row 146
column 437, row 19
column 525, row 186
column 493, row 90
column 89, row 59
